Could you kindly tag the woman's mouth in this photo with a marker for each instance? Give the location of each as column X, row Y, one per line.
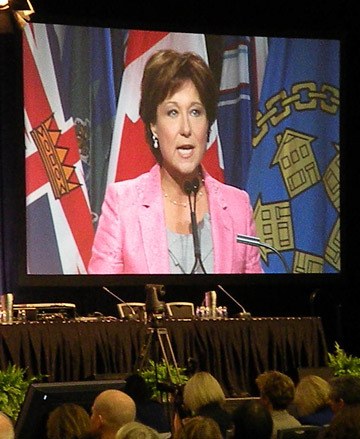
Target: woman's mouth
column 185, row 151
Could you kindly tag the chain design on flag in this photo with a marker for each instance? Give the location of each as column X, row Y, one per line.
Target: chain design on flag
column 304, row 96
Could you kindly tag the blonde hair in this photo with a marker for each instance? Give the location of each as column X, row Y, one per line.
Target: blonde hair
column 136, row 430
column 202, row 389
column 311, row 394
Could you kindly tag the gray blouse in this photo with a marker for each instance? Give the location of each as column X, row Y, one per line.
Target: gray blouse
column 181, row 249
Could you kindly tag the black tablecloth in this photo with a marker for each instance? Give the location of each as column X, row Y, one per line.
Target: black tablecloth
column 235, row 351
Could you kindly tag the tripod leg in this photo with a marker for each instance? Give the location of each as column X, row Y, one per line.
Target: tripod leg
column 166, row 348
column 145, row 350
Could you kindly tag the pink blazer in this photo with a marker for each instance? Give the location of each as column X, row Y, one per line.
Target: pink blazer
column 131, row 233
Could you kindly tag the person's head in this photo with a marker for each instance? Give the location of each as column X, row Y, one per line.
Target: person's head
column 202, row 389
column 137, row 388
column 199, row 427
column 111, row 410
column 6, row 427
column 311, row 394
column 252, row 420
column 276, row 389
column 345, row 424
column 178, row 104
column 344, row 390
column 67, row 421
column 136, row 430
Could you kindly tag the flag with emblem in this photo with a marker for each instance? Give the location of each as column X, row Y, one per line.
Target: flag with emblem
column 87, row 87
column 58, row 216
column 293, row 178
column 130, row 154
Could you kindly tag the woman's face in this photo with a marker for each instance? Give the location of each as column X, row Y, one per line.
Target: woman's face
column 182, row 129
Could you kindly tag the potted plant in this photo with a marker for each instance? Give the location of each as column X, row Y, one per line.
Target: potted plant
column 13, row 386
column 158, row 373
column 343, row 364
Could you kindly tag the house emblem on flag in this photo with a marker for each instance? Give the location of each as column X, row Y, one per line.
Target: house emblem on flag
column 297, row 161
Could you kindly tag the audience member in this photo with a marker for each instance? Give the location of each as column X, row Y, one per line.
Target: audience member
column 252, row 420
column 148, row 411
column 137, row 430
column 111, row 410
column 312, row 401
column 199, row 427
column 276, row 393
column 6, row 427
column 344, row 390
column 67, row 421
column 204, row 396
column 344, row 425
column 180, row 411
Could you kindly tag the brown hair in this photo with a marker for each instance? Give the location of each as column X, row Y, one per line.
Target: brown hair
column 199, row 427
column 164, row 73
column 67, row 421
column 277, row 387
column 345, row 424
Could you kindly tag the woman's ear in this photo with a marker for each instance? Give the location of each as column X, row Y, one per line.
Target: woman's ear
column 153, row 129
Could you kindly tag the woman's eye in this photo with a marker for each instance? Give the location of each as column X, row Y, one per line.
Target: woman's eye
column 172, row 113
column 196, row 112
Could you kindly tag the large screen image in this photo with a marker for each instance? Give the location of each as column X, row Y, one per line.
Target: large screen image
column 276, row 137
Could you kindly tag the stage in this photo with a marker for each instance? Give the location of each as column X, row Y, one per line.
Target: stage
column 235, row 351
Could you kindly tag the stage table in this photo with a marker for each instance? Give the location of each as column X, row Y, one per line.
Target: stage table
column 235, row 351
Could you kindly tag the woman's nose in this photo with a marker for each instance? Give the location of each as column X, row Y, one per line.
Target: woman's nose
column 185, row 128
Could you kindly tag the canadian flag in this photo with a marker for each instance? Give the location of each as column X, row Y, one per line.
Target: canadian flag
column 130, row 154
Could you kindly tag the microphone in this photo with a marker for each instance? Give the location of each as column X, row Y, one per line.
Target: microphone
column 133, row 313
column 243, row 312
column 255, row 241
column 189, row 188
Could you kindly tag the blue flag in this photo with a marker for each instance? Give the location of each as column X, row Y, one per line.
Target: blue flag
column 235, row 109
column 294, row 173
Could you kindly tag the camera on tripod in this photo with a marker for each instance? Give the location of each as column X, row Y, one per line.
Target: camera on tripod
column 155, row 308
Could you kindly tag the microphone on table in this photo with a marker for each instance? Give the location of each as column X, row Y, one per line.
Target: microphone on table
column 255, row 241
column 243, row 312
column 189, row 188
column 132, row 311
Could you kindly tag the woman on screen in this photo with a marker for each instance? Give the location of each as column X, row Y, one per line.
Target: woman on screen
column 147, row 224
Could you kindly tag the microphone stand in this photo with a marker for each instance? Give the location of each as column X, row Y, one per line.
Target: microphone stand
column 243, row 312
column 255, row 241
column 190, row 188
column 132, row 311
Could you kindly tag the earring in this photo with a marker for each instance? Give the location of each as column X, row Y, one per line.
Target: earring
column 155, row 141
column 208, row 134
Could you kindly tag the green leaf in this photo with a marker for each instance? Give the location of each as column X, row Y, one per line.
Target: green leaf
column 343, row 364
column 14, row 383
column 159, row 373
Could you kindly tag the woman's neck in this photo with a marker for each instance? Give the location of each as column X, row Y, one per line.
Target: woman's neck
column 175, row 184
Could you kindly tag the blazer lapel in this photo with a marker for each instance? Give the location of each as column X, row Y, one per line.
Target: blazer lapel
column 223, row 234
column 152, row 223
